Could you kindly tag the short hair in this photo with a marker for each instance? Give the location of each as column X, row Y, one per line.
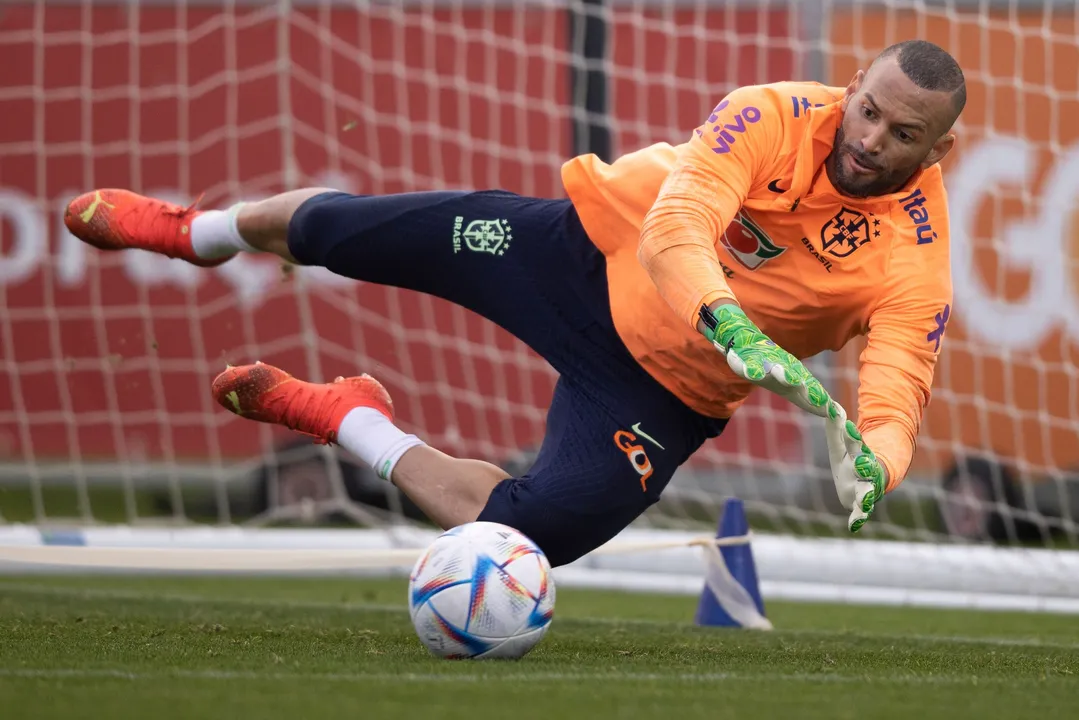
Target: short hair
column 930, row 67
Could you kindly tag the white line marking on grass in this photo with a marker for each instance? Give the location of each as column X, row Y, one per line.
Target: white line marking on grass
column 531, row 677
column 286, row 603
column 151, row 596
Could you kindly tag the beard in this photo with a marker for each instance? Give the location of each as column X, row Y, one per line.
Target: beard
column 881, row 182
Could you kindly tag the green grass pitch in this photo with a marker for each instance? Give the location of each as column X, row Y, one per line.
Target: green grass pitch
column 125, row 647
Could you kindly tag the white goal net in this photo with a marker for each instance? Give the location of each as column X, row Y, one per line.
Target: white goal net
column 105, row 360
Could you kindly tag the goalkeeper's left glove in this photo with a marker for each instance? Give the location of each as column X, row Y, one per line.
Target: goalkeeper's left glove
column 859, row 477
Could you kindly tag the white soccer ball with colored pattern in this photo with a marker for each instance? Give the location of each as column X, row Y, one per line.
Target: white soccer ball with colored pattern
column 481, row 590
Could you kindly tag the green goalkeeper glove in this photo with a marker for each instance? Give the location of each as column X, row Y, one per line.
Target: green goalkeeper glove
column 753, row 356
column 859, row 477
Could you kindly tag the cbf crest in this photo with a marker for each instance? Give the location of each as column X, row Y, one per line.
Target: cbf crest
column 490, row 236
column 844, row 233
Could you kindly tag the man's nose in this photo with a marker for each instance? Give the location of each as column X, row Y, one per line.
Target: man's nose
column 873, row 142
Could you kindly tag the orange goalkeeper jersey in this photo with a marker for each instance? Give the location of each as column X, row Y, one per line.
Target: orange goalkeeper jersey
column 744, row 209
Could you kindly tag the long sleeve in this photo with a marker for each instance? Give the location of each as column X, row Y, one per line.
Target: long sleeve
column 906, row 330
column 702, row 195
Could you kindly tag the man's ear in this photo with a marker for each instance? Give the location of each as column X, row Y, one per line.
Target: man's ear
column 853, row 87
column 940, row 148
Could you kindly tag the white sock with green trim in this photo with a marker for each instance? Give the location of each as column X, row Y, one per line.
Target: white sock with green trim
column 214, row 234
column 370, row 436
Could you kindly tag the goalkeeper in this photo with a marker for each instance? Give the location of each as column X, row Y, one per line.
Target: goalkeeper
column 665, row 288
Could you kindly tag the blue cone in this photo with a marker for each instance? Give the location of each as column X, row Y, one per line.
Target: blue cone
column 739, row 560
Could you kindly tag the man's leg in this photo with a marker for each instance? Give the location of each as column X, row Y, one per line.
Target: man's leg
column 500, row 255
column 357, row 414
column 609, row 452
column 115, row 219
column 264, row 224
column 521, row 262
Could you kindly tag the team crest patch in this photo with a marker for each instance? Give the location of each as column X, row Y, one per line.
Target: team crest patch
column 490, row 236
column 844, row 233
column 747, row 242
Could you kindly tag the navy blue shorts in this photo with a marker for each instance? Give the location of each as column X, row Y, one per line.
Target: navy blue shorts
column 614, row 435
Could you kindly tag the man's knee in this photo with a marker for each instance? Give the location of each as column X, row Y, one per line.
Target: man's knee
column 563, row 534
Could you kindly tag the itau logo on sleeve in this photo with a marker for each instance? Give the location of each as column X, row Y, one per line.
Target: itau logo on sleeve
column 747, row 242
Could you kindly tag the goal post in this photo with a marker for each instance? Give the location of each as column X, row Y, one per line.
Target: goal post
column 107, row 426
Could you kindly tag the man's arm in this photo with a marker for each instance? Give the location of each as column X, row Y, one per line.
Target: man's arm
column 906, row 327
column 716, row 170
column 895, row 377
column 701, row 197
column 906, row 333
column 894, row 381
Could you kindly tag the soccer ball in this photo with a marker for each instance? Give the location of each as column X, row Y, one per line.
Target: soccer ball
column 481, row 590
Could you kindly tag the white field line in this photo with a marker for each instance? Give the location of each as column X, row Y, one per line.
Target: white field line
column 453, row 678
column 285, row 603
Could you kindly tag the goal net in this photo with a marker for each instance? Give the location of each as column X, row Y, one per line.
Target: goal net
column 105, row 360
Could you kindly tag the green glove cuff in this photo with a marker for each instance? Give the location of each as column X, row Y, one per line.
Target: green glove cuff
column 724, row 324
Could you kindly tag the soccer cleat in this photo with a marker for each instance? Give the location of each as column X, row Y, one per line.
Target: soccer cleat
column 120, row 219
column 270, row 395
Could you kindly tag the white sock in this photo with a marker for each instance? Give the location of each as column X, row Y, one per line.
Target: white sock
column 214, row 234
column 370, row 436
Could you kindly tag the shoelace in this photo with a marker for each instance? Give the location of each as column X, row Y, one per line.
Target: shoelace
column 182, row 212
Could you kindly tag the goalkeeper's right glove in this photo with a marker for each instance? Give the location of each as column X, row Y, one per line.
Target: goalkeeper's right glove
column 753, row 356
column 859, row 476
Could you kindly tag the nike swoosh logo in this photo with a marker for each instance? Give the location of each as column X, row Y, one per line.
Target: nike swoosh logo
column 637, row 429
column 774, row 187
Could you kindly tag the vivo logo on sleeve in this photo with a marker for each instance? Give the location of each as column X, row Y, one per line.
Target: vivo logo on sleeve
column 727, row 130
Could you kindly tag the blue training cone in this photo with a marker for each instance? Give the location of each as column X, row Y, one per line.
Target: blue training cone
column 731, row 596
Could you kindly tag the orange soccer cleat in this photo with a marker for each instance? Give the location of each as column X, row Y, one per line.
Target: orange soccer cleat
column 268, row 394
column 120, row 219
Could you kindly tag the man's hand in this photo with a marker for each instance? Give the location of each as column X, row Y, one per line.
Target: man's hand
column 753, row 356
column 858, row 475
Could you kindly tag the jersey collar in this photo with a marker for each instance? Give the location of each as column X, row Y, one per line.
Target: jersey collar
column 811, row 178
